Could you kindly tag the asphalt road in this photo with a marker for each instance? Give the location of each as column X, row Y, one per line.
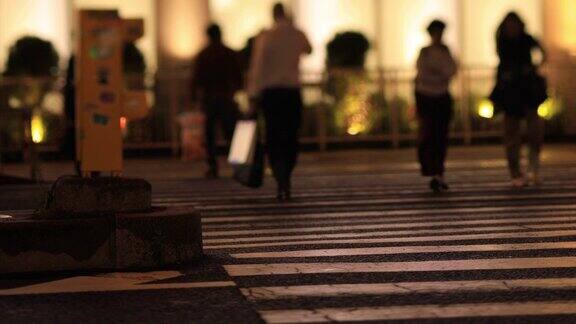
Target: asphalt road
column 353, row 246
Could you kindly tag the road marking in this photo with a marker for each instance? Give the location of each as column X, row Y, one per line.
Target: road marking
column 404, row 288
column 212, row 241
column 418, row 312
column 398, row 200
column 527, row 220
column 408, row 250
column 379, row 234
column 239, row 270
column 112, row 282
column 380, row 217
column 439, row 238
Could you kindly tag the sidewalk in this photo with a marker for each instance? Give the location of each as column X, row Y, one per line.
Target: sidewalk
column 331, row 162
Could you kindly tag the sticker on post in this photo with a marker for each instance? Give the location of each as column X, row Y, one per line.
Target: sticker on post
column 107, row 97
column 100, row 119
column 103, row 76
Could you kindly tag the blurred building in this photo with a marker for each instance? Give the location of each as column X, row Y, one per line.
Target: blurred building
column 396, row 29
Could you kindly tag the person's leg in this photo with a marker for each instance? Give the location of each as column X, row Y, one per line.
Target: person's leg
column 294, row 118
column 445, row 116
column 535, row 130
column 228, row 117
column 273, row 117
column 425, row 135
column 513, row 144
column 210, row 140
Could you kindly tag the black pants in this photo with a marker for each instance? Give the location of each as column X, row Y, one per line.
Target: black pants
column 283, row 113
column 225, row 112
column 434, row 115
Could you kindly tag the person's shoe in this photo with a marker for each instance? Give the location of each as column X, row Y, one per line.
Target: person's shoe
column 444, row 186
column 436, row 185
column 534, row 179
column 281, row 195
column 211, row 174
column 287, row 195
column 518, row 182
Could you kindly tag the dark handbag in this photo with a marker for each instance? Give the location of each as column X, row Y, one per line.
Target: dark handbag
column 539, row 90
column 251, row 174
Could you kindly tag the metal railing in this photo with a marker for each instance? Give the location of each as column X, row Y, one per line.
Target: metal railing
column 340, row 107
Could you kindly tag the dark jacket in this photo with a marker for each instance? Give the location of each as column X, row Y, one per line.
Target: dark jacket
column 216, row 73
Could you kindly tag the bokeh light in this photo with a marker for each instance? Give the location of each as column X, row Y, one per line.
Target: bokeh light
column 485, row 109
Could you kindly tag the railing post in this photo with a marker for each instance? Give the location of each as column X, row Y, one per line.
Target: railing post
column 173, row 109
column 321, row 126
column 322, row 136
column 30, row 149
column 394, row 112
column 465, row 107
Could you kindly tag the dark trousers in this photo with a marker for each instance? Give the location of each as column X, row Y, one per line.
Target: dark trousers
column 282, row 109
column 434, row 115
column 225, row 112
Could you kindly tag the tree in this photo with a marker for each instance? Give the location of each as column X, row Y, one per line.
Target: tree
column 347, row 50
column 348, row 85
column 31, row 68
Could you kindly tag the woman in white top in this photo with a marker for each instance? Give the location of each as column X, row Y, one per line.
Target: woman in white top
column 436, row 67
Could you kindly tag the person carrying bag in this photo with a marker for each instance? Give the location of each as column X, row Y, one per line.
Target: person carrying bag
column 247, row 154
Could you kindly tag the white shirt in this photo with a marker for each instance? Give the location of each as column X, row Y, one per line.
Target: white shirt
column 436, row 67
column 275, row 62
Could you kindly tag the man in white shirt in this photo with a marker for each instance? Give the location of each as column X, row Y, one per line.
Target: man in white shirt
column 274, row 82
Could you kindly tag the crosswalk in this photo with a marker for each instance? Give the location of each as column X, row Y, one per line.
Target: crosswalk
column 372, row 247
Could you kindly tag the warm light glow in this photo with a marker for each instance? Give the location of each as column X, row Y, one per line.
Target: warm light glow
column 321, row 21
column 486, row 109
column 481, row 19
column 356, row 128
column 241, row 20
column 123, row 122
column 548, row 109
column 355, row 110
column 181, row 34
column 404, row 28
column 47, row 19
column 561, row 24
column 53, row 103
column 14, row 102
column 123, row 126
column 38, row 129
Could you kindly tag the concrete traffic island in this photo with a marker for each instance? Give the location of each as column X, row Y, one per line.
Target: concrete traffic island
column 97, row 224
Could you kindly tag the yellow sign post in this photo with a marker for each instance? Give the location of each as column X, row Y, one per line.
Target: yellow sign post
column 102, row 97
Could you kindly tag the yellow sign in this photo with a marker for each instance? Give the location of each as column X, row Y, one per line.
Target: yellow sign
column 102, row 99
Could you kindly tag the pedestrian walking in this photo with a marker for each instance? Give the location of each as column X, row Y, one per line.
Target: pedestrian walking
column 274, row 84
column 216, row 78
column 436, row 67
column 518, row 93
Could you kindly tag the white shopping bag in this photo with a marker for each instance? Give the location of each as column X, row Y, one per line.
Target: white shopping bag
column 244, row 142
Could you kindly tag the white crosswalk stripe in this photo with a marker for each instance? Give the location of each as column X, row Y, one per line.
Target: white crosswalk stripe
column 488, row 251
column 418, row 312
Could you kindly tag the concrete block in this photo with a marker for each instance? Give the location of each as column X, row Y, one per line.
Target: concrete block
column 158, row 238
column 162, row 237
column 73, row 197
column 31, row 245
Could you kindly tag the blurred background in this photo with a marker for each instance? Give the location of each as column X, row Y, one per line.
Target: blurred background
column 352, row 100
